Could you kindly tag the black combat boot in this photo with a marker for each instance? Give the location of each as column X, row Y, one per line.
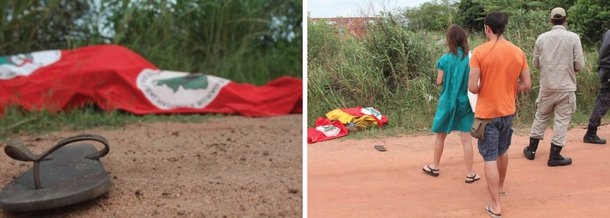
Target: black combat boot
column 591, row 136
column 530, row 150
column 555, row 158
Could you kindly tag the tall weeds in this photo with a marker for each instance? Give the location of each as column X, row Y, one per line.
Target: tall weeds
column 246, row 41
column 394, row 68
column 390, row 69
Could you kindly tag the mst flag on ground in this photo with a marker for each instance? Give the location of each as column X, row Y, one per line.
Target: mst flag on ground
column 114, row 77
column 325, row 130
column 339, row 121
column 362, row 117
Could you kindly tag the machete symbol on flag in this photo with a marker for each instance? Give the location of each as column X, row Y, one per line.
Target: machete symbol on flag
column 190, row 81
column 169, row 89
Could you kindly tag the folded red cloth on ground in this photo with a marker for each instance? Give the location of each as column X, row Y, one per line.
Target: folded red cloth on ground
column 325, row 130
column 113, row 77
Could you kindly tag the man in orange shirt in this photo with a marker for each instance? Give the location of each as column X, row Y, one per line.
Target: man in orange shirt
column 498, row 70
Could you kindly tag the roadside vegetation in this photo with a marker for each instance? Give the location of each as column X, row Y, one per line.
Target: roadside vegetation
column 393, row 67
column 244, row 41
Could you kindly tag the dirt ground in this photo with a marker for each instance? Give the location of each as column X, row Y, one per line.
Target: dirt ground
column 229, row 166
column 349, row 178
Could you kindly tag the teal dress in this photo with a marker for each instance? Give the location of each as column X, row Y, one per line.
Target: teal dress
column 453, row 111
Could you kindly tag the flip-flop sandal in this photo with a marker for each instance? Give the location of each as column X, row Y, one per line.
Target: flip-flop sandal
column 473, row 178
column 380, row 148
column 430, row 171
column 61, row 176
column 491, row 213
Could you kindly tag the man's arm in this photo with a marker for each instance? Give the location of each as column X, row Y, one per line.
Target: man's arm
column 605, row 46
column 579, row 57
column 537, row 48
column 525, row 81
column 439, row 78
column 473, row 80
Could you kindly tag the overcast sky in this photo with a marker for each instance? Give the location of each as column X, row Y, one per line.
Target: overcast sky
column 356, row 8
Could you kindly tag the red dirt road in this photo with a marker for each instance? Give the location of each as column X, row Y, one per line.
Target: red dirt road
column 349, row 178
column 228, row 166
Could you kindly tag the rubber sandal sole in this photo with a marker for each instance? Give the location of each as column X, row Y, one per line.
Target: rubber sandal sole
column 471, row 179
column 428, row 170
column 69, row 175
column 492, row 214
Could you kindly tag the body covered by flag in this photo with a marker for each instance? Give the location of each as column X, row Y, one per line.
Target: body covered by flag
column 362, row 117
column 114, row 77
column 325, row 130
column 334, row 125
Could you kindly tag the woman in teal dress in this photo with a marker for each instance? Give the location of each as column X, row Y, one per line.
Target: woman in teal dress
column 453, row 112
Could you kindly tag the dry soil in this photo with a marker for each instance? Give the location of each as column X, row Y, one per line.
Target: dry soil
column 349, row 178
column 229, row 166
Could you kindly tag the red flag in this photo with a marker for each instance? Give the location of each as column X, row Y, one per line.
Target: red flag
column 114, row 77
column 361, row 111
column 325, row 130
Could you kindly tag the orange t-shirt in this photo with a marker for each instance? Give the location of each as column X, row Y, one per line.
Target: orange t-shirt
column 500, row 66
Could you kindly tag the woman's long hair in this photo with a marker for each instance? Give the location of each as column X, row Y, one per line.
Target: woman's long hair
column 456, row 37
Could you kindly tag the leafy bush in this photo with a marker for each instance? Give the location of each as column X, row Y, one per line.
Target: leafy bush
column 398, row 53
column 470, row 15
column 323, row 42
column 431, row 16
column 36, row 25
column 245, row 41
column 524, row 27
column 590, row 18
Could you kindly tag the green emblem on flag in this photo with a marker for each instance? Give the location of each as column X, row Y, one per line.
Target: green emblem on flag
column 17, row 60
column 191, row 81
column 170, row 89
column 329, row 128
column 25, row 64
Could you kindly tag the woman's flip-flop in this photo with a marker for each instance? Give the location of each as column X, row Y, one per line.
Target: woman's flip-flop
column 491, row 213
column 61, row 176
column 473, row 178
column 430, row 171
column 380, row 148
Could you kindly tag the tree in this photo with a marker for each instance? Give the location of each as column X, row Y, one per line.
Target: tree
column 436, row 15
column 590, row 18
column 566, row 4
column 28, row 25
column 470, row 15
column 510, row 6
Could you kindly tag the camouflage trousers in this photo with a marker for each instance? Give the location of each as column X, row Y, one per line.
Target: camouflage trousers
column 602, row 104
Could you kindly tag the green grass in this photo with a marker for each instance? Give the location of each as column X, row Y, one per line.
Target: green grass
column 17, row 121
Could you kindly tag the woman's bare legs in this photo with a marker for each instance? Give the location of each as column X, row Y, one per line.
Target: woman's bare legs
column 467, row 144
column 439, row 144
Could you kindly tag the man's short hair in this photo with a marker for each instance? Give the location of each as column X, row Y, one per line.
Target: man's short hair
column 497, row 22
column 559, row 21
